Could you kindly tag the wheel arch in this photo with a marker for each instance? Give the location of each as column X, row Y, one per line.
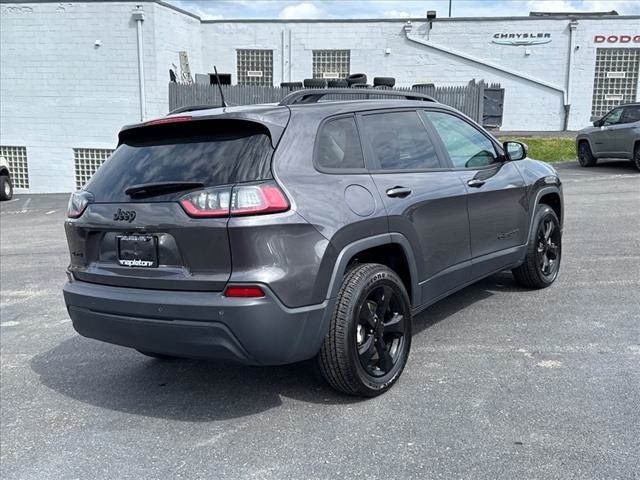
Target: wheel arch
column 390, row 249
column 553, row 197
column 554, row 200
column 584, row 138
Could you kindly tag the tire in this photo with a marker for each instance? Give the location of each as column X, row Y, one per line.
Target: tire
column 159, row 356
column 636, row 156
column 544, row 251
column 337, row 83
column 356, row 78
column 315, row 83
column 6, row 188
column 360, row 319
column 384, row 82
column 291, row 85
column 585, row 156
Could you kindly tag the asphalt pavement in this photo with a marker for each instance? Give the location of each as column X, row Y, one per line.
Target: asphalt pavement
column 502, row 382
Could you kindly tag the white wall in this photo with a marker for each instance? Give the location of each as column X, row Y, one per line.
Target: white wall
column 528, row 105
column 585, row 60
column 410, row 62
column 58, row 91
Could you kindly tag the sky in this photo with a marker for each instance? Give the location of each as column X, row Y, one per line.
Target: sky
column 286, row 9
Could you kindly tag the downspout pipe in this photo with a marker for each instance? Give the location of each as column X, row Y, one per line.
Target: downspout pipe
column 573, row 25
column 427, row 43
column 138, row 17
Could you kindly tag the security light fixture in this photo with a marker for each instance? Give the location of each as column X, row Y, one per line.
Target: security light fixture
column 431, row 15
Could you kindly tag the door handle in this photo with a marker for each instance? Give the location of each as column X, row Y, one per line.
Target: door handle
column 400, row 192
column 475, row 183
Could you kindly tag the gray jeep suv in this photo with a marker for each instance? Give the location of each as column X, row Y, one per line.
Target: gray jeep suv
column 616, row 135
column 271, row 234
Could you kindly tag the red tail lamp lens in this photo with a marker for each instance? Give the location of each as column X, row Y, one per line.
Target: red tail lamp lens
column 212, row 202
column 78, row 203
column 160, row 121
column 244, row 291
column 240, row 201
column 256, row 199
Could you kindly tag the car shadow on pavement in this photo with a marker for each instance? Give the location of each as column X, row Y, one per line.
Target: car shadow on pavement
column 605, row 165
column 121, row 379
column 445, row 308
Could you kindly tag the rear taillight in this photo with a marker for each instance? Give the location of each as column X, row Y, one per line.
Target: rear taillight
column 237, row 201
column 255, row 199
column 243, row 291
column 78, row 203
column 212, row 202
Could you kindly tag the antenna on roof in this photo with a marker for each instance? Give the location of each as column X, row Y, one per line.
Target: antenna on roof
column 224, row 104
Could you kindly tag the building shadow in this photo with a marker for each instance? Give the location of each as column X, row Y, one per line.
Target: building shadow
column 121, row 379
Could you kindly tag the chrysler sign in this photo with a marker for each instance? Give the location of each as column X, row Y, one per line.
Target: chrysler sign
column 524, row 38
column 616, row 39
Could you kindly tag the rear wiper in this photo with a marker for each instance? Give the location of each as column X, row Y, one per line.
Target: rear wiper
column 160, row 187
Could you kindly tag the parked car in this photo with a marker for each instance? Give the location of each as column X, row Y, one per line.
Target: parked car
column 616, row 135
column 6, row 185
column 271, row 234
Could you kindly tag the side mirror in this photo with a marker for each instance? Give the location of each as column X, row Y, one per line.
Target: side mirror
column 598, row 123
column 515, row 150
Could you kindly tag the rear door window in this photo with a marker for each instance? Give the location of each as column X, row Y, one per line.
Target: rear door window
column 338, row 145
column 208, row 152
column 399, row 141
column 631, row 114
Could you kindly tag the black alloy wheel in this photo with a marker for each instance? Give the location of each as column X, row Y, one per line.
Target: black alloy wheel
column 548, row 247
column 369, row 337
column 379, row 334
column 585, row 156
column 544, row 251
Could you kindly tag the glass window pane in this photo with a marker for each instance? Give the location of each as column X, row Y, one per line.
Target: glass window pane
column 209, row 152
column 631, row 114
column 467, row 146
column 400, row 141
column 339, row 145
column 613, row 117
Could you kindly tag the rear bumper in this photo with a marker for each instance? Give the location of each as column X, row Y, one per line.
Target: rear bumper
column 198, row 324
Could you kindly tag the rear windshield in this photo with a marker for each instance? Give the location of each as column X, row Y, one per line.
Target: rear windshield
column 209, row 152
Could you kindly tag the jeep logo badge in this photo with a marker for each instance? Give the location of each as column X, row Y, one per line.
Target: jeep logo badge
column 124, row 215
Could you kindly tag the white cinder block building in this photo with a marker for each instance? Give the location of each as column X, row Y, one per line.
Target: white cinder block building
column 72, row 73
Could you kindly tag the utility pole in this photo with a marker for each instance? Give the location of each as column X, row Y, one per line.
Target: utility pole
column 450, row 8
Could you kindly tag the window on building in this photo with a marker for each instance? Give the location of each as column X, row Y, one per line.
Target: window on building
column 331, row 63
column 400, row 141
column 339, row 145
column 616, row 78
column 86, row 161
column 17, row 159
column 255, row 67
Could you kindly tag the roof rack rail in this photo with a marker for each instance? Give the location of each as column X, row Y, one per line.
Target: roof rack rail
column 192, row 108
column 313, row 95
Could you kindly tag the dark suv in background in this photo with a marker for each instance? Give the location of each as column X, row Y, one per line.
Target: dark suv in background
column 271, row 234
